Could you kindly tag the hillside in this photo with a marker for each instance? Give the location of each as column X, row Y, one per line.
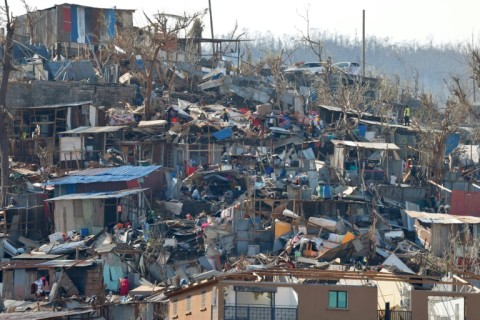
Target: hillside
column 400, row 61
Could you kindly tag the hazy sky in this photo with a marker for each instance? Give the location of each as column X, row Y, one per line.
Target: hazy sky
column 439, row 21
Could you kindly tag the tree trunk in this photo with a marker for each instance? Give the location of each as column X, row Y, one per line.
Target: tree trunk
column 4, row 151
column 7, row 68
column 438, row 161
column 148, row 95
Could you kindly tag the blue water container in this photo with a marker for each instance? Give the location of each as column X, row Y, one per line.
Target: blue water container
column 84, row 232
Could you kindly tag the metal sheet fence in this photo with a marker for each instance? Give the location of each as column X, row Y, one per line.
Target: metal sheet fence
column 248, row 312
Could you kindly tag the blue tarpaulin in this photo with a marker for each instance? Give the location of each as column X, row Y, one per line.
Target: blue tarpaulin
column 70, row 70
column 111, row 20
column 451, row 143
column 223, row 134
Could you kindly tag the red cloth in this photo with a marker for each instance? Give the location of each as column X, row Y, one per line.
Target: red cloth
column 124, row 287
column 191, row 170
column 256, row 122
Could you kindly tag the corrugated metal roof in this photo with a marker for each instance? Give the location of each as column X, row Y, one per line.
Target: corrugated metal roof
column 441, row 218
column 78, row 5
column 66, row 263
column 97, row 195
column 20, row 264
column 93, row 129
column 391, row 125
column 70, row 70
column 24, row 171
column 152, row 123
column 367, row 145
column 113, row 174
column 34, row 264
column 331, row 108
column 22, row 52
column 64, row 104
column 43, row 314
column 337, row 109
column 29, row 256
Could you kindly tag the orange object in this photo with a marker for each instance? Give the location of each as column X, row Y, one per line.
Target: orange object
column 281, row 228
column 348, row 237
column 308, row 252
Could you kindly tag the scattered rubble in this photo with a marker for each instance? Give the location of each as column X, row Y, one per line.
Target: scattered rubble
column 229, row 180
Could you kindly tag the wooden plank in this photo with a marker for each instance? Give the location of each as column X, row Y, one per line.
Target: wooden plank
column 94, row 283
column 29, row 243
column 8, row 284
column 32, row 277
column 66, row 283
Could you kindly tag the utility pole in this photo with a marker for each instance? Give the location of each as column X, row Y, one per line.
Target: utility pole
column 211, row 27
column 363, row 45
column 473, row 78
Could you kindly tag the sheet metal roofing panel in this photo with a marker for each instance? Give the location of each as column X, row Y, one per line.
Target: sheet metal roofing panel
column 66, row 263
column 390, row 125
column 62, row 105
column 367, row 145
column 338, row 109
column 468, row 219
column 331, row 108
column 97, row 195
column 438, row 218
column 93, row 129
column 28, row 256
column 152, row 123
column 113, row 174
column 70, row 70
column 44, row 314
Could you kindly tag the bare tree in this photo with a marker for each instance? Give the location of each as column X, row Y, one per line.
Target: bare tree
column 438, row 123
column 316, row 45
column 146, row 43
column 161, row 29
column 4, row 114
column 32, row 16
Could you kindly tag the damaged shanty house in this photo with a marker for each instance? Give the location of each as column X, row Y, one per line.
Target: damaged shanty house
column 69, row 29
column 40, row 115
column 101, row 197
column 444, row 234
column 65, row 278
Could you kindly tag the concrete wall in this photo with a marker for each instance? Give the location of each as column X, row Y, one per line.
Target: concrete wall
column 419, row 303
column 41, row 93
column 197, row 311
column 130, row 311
column 313, row 300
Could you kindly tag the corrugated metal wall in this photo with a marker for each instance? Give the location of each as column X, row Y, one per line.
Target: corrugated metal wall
column 76, row 24
column 465, row 203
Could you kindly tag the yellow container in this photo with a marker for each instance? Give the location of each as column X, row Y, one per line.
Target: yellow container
column 281, row 228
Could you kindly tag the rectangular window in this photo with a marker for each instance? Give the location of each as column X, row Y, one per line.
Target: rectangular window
column 204, row 298
column 188, row 304
column 338, row 299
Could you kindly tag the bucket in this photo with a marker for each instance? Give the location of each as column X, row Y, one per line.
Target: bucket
column 84, row 232
column 362, row 129
column 326, row 192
